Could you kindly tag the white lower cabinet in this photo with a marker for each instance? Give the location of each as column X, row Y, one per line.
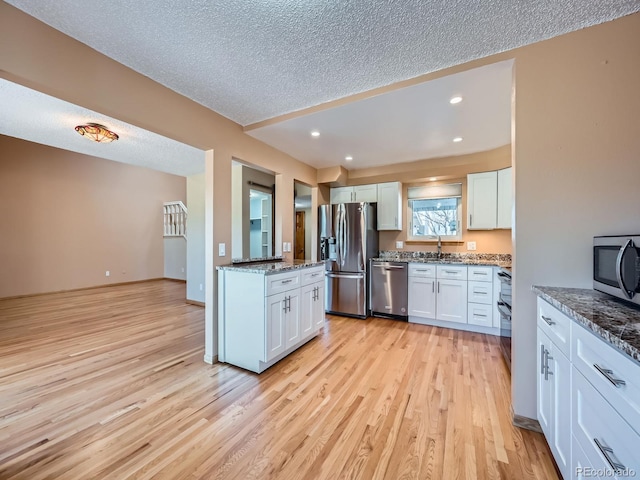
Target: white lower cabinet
column 451, row 300
column 554, row 400
column 607, row 440
column 422, row 297
column 311, row 308
column 262, row 318
column 587, row 412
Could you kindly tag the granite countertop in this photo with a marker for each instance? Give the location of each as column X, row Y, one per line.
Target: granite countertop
column 266, row 268
column 488, row 259
column 275, row 258
column 609, row 318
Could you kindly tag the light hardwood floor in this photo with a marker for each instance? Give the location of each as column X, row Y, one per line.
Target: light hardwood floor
column 110, row 383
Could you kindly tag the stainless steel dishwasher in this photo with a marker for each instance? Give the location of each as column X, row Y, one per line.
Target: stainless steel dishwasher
column 388, row 289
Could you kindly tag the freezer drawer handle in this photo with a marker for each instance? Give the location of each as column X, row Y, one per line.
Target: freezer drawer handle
column 548, row 320
column 342, row 275
column 608, row 374
column 609, row 456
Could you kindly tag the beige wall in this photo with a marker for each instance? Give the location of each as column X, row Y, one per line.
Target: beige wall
column 68, row 217
column 446, row 170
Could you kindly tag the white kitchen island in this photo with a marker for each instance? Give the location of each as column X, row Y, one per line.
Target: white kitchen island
column 267, row 310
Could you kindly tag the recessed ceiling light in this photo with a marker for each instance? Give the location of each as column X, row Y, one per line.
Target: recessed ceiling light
column 433, row 179
column 315, row 133
column 457, row 139
column 455, row 100
column 348, row 158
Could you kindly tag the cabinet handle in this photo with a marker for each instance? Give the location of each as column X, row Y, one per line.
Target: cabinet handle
column 548, row 320
column 284, row 305
column 479, row 293
column 541, row 359
column 289, row 304
column 480, row 273
column 433, row 286
column 609, row 456
column 284, row 282
column 479, row 315
column 452, row 272
column 547, row 372
column 438, row 287
column 470, row 219
column 608, row 374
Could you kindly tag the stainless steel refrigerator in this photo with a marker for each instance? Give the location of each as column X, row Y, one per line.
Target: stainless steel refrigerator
column 348, row 239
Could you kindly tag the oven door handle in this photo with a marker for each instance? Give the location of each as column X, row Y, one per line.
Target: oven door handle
column 504, row 309
column 627, row 293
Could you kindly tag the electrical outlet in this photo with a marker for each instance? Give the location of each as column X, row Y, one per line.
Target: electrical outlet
column 222, row 249
column 399, row 244
column 182, row 269
column 107, row 273
column 471, row 245
column 200, row 287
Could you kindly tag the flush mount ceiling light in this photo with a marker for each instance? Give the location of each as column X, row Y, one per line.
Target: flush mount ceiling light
column 455, row 100
column 432, row 179
column 348, row 158
column 315, row 133
column 97, row 133
column 457, row 139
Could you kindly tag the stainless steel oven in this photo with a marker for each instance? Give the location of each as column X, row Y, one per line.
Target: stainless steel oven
column 504, row 308
column 616, row 266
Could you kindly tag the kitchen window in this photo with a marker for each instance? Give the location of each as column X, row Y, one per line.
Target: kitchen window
column 434, row 210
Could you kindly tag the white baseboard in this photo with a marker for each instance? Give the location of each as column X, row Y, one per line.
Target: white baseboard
column 456, row 326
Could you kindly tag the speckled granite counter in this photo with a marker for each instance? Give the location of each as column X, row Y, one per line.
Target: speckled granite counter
column 488, row 259
column 267, row 268
column 275, row 258
column 611, row 319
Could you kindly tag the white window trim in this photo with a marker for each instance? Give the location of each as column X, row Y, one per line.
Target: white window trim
column 435, row 191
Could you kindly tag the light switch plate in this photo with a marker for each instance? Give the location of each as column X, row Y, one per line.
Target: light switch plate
column 471, row 245
column 399, row 244
column 222, row 249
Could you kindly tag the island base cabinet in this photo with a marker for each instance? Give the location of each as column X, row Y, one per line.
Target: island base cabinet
column 312, row 309
column 264, row 318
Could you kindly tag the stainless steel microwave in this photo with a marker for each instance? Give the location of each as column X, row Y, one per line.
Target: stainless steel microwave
column 616, row 266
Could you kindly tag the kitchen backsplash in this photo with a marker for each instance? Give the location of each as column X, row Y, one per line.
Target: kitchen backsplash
column 498, row 257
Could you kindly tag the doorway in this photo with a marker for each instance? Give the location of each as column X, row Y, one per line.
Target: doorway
column 300, row 236
column 303, row 227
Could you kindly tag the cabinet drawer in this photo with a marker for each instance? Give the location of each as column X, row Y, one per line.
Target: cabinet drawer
column 454, row 272
column 281, row 282
column 602, row 365
column 480, row 274
column 602, row 434
column 480, row 292
column 556, row 325
column 478, row 314
column 312, row 275
column 422, row 270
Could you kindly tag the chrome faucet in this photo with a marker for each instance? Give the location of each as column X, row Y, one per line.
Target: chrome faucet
column 439, row 246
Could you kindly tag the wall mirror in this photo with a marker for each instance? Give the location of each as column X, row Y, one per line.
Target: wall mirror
column 252, row 212
column 302, row 221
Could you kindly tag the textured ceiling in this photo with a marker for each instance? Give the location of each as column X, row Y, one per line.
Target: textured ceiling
column 256, row 60
column 39, row 118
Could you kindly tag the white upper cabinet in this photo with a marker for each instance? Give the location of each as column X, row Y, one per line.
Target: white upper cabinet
column 489, row 200
column 390, row 206
column 359, row 193
column 482, row 198
column 505, row 198
column 341, row 195
column 365, row 193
